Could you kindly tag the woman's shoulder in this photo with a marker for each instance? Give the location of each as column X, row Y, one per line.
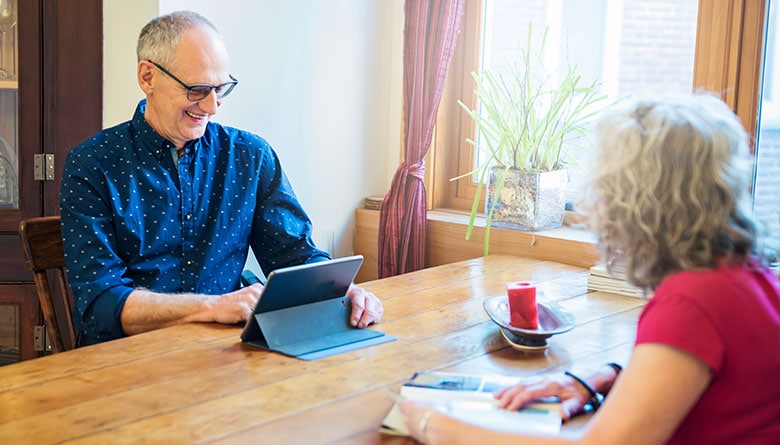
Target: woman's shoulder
column 723, row 288
column 714, row 277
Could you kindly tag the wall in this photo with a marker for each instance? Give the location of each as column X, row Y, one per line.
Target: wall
column 319, row 79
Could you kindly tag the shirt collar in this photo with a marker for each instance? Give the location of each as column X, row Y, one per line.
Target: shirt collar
column 158, row 145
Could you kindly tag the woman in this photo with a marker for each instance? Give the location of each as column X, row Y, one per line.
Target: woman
column 670, row 200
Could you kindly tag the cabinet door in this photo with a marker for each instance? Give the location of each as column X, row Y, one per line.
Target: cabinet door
column 50, row 99
column 20, row 121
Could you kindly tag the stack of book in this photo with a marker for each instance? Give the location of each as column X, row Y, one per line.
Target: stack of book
column 601, row 280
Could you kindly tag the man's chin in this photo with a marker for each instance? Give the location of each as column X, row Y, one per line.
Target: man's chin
column 197, row 133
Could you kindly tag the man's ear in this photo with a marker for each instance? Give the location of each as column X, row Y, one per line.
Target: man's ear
column 145, row 75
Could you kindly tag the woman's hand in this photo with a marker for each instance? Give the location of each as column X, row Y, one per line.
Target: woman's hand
column 572, row 395
column 416, row 418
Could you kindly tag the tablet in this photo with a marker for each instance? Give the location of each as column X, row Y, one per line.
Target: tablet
column 304, row 312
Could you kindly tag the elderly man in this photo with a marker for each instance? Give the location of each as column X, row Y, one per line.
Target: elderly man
column 158, row 213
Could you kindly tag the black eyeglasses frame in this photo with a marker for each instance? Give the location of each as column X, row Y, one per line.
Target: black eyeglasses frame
column 201, row 90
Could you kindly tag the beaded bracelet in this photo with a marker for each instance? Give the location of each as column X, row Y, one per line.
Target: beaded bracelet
column 595, row 398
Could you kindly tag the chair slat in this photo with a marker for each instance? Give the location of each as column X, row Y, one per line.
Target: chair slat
column 43, row 249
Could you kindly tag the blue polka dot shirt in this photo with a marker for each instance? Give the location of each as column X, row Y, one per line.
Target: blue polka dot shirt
column 133, row 216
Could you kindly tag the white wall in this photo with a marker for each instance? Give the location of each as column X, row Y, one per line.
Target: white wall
column 319, row 79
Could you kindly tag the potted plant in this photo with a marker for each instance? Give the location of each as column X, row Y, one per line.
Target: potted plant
column 527, row 122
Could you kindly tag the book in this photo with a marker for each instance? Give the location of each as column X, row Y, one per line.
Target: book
column 469, row 398
column 601, row 280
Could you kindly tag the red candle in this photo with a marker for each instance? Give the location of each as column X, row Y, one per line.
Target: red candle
column 523, row 312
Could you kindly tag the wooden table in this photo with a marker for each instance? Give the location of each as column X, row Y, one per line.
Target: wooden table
column 198, row 383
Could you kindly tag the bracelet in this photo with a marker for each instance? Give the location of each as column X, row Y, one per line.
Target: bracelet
column 616, row 367
column 424, row 422
column 595, row 398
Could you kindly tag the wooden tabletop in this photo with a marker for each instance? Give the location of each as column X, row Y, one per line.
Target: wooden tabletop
column 196, row 383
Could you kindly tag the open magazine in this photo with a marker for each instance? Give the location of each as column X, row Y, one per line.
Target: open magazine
column 470, row 398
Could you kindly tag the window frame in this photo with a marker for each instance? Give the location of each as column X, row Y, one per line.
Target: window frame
column 728, row 59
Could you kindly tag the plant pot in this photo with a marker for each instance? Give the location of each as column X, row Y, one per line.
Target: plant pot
column 526, row 200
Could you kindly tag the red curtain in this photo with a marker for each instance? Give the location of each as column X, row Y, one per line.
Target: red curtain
column 430, row 33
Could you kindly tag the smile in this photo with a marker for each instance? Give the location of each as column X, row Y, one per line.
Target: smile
column 196, row 116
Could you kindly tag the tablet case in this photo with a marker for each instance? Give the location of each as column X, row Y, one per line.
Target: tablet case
column 303, row 312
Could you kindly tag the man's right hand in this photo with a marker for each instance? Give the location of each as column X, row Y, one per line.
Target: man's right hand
column 237, row 306
column 145, row 310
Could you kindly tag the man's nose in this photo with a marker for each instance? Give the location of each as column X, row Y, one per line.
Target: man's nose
column 210, row 103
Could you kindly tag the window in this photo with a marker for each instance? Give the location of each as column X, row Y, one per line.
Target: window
column 766, row 205
column 633, row 46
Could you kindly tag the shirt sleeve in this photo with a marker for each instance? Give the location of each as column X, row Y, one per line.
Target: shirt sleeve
column 678, row 321
column 96, row 273
column 282, row 231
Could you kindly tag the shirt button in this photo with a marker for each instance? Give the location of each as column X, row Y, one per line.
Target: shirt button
column 189, row 216
column 189, row 262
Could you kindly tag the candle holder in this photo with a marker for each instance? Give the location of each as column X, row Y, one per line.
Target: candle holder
column 553, row 319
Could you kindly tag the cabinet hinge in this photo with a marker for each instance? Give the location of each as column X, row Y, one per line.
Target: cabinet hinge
column 39, row 338
column 44, row 167
column 41, row 341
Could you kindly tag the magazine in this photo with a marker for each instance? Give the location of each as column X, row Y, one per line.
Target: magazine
column 469, row 398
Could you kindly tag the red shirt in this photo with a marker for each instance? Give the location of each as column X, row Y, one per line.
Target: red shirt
column 729, row 318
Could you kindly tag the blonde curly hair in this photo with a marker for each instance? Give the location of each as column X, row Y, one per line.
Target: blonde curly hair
column 670, row 187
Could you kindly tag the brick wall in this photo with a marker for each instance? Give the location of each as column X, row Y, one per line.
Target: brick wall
column 767, row 191
column 657, row 45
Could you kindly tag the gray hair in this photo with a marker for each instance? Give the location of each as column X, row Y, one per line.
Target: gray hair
column 670, row 187
column 160, row 37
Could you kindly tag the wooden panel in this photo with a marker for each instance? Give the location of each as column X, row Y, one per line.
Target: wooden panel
column 23, row 296
column 78, row 77
column 367, row 243
column 715, row 68
column 729, row 54
column 751, row 59
column 12, row 266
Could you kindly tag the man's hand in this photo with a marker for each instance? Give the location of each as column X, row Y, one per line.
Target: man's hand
column 237, row 306
column 366, row 307
column 145, row 310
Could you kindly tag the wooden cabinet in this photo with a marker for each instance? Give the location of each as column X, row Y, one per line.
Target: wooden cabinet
column 50, row 99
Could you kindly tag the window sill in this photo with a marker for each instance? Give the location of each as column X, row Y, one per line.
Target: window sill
column 447, row 242
column 569, row 244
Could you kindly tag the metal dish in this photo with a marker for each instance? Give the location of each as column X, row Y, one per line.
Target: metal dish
column 521, row 343
column 553, row 319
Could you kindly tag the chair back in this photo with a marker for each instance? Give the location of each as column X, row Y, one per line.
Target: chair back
column 45, row 257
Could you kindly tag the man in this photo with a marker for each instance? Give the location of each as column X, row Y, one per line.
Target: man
column 158, row 213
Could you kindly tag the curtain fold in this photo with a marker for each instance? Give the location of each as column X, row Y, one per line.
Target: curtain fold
column 431, row 30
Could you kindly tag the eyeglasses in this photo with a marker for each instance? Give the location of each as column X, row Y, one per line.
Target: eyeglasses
column 198, row 92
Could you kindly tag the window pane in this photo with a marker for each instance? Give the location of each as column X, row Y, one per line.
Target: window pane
column 631, row 47
column 767, row 181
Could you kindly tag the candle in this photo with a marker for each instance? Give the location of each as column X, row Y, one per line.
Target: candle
column 523, row 312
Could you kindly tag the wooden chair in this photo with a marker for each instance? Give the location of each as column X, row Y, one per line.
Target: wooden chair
column 45, row 256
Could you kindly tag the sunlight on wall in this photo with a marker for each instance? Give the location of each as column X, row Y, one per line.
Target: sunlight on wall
column 319, row 79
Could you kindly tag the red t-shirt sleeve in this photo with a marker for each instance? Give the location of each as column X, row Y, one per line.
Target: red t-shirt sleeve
column 674, row 320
